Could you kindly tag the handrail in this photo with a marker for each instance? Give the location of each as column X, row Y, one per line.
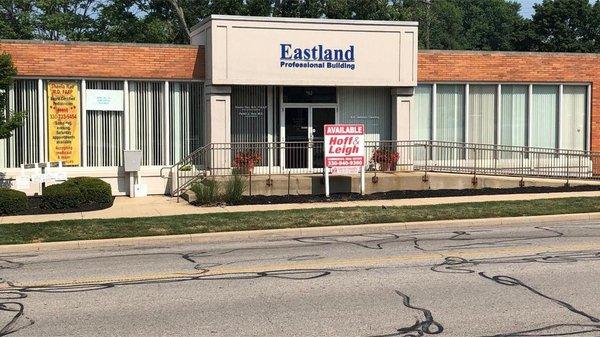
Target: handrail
column 296, row 157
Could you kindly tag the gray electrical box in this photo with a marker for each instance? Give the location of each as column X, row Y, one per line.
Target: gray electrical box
column 132, row 160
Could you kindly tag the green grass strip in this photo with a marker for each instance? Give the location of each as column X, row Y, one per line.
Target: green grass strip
column 223, row 222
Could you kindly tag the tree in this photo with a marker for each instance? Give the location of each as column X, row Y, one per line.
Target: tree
column 564, row 26
column 9, row 120
column 16, row 19
column 298, row 8
column 259, row 7
column 65, row 19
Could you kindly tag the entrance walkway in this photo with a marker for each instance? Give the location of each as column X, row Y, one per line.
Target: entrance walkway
column 153, row 206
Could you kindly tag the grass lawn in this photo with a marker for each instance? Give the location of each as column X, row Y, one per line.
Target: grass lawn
column 221, row 222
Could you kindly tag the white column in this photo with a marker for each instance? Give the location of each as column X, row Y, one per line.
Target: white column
column 126, row 115
column 402, row 105
column 499, row 115
column 43, row 126
column 559, row 132
column 218, row 112
column 167, row 126
column 83, row 125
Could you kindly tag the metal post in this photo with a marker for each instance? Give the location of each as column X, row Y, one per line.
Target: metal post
column 362, row 180
column 326, row 169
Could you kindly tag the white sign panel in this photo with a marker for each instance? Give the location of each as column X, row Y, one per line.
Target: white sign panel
column 344, row 147
column 104, row 100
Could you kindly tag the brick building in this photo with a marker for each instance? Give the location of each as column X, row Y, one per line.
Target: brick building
column 268, row 80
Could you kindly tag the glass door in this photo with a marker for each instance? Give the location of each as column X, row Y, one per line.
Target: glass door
column 320, row 117
column 296, row 137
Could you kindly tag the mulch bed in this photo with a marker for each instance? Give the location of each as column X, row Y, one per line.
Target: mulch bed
column 35, row 208
column 288, row 199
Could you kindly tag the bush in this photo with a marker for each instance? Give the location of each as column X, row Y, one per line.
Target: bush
column 94, row 190
column 234, row 189
column 12, row 201
column 62, row 196
column 207, row 192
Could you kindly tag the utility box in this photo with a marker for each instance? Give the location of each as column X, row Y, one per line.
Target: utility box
column 132, row 160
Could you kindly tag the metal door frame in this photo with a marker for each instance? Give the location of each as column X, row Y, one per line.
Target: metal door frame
column 309, row 130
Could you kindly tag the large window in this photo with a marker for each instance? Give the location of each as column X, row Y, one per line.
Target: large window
column 544, row 112
column 573, row 121
column 420, row 127
column 147, row 121
column 535, row 115
column 104, row 130
column 449, row 122
column 24, row 146
column 482, row 114
column 513, row 117
column 186, row 116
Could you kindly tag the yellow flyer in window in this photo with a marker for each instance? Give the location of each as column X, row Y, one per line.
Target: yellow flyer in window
column 64, row 138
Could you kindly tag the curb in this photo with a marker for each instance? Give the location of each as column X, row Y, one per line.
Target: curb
column 286, row 233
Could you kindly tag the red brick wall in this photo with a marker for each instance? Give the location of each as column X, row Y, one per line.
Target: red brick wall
column 106, row 60
column 498, row 67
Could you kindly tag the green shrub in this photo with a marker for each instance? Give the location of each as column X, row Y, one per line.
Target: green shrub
column 12, row 201
column 207, row 192
column 234, row 189
column 62, row 196
column 94, row 190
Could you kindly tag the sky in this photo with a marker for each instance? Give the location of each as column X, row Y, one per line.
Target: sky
column 527, row 7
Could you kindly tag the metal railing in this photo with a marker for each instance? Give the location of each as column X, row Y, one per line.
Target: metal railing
column 278, row 158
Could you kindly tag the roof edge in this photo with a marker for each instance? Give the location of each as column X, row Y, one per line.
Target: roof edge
column 304, row 20
column 94, row 43
column 501, row 52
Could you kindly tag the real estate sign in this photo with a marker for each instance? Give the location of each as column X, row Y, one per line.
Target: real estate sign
column 344, row 147
column 63, row 123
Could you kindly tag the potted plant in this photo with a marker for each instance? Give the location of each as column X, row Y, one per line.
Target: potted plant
column 245, row 161
column 385, row 159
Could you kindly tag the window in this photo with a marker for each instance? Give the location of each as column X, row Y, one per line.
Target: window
column 186, row 115
column 482, row 114
column 249, row 114
column 309, row 95
column 368, row 106
column 147, row 121
column 421, row 118
column 24, row 146
column 449, row 124
column 513, row 117
column 104, row 131
column 573, row 119
column 544, row 112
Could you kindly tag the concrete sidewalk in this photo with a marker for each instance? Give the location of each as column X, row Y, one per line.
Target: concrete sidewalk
column 152, row 206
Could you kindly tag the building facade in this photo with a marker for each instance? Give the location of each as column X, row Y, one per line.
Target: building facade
column 274, row 80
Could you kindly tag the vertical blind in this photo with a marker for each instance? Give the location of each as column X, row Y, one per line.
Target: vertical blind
column 104, row 131
column 421, row 115
column 544, row 111
column 513, row 128
column 249, row 112
column 24, row 146
column 482, row 114
column 368, row 106
column 147, row 121
column 573, row 121
column 186, row 112
column 450, row 105
column 516, row 124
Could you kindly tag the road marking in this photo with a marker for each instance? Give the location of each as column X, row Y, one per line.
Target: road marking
column 321, row 264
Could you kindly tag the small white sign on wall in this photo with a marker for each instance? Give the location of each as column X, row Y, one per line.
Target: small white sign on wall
column 104, row 100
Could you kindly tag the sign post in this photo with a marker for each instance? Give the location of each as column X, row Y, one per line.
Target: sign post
column 344, row 149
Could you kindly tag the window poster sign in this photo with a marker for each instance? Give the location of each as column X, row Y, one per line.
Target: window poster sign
column 104, row 100
column 63, row 123
column 345, row 147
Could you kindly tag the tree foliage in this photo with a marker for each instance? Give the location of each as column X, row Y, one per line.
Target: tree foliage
column 557, row 25
column 9, row 120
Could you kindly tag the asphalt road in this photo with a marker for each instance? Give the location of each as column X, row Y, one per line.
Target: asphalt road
column 534, row 280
